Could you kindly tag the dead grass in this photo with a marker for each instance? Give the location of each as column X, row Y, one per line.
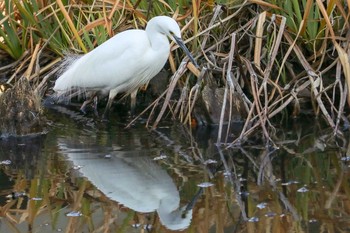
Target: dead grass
column 256, row 56
column 263, row 65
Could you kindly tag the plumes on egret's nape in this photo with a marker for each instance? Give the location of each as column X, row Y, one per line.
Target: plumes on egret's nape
column 123, row 63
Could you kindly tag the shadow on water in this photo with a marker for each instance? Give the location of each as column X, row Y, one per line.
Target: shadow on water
column 90, row 176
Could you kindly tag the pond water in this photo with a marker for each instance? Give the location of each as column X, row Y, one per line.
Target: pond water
column 90, row 176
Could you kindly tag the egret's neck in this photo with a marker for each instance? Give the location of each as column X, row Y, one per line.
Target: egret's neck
column 158, row 40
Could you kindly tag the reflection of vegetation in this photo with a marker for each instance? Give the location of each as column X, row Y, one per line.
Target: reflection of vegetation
column 302, row 185
column 311, row 180
column 49, row 200
column 249, row 181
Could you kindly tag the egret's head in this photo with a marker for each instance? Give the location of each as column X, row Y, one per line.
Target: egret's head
column 171, row 216
column 169, row 27
column 166, row 26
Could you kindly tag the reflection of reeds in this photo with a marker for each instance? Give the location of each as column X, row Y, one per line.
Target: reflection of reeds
column 306, row 158
column 269, row 176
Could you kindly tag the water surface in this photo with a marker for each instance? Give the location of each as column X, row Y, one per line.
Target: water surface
column 91, row 176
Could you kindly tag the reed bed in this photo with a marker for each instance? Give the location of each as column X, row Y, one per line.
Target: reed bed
column 258, row 59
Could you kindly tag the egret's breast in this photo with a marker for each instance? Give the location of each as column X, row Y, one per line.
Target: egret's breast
column 143, row 64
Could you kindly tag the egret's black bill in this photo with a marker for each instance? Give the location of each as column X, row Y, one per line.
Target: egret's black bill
column 183, row 46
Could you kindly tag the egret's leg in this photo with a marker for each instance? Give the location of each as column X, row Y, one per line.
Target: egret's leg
column 88, row 101
column 83, row 106
column 95, row 105
column 112, row 94
column 133, row 101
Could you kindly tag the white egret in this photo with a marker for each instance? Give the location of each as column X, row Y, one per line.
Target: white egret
column 121, row 64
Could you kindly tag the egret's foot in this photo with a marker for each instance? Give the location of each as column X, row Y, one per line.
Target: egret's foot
column 83, row 107
column 133, row 103
column 105, row 118
column 83, row 110
column 95, row 106
column 132, row 112
column 96, row 113
column 105, row 115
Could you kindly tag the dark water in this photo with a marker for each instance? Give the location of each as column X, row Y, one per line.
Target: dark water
column 88, row 176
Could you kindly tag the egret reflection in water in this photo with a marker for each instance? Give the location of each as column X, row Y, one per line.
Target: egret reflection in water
column 134, row 181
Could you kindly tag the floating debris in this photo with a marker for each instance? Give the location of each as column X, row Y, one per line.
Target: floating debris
column 44, row 224
column 74, row 214
column 270, row 214
column 312, row 220
column 205, row 184
column 210, row 161
column 160, row 157
column 136, row 225
column 261, row 205
column 107, row 156
column 36, row 198
column 147, row 227
column 5, row 162
column 242, row 179
column 302, row 190
column 244, row 193
column 77, row 167
column 227, row 173
column 253, row 219
column 290, row 182
column 16, row 195
column 345, row 159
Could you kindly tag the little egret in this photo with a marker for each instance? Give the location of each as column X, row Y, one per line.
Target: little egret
column 122, row 64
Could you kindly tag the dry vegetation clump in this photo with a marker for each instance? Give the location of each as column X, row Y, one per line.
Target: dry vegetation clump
column 20, row 110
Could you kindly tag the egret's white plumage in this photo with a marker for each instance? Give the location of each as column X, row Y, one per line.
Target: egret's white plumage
column 123, row 63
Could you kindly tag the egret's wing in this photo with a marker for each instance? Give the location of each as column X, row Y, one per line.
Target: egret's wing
column 110, row 64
